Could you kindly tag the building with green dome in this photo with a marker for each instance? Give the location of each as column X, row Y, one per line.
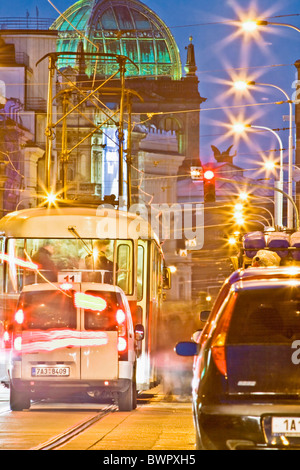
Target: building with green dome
column 125, row 27
column 166, row 114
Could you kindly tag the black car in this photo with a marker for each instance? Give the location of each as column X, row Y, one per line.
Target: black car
column 246, row 383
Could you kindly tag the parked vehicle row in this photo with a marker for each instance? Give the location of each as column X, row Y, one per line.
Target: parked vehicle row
column 246, row 380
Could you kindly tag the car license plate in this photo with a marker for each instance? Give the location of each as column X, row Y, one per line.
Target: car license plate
column 288, row 426
column 47, row 371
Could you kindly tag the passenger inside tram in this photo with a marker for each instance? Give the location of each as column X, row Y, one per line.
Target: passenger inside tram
column 91, row 260
column 43, row 258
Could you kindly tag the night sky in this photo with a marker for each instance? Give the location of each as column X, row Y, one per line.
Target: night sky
column 223, row 54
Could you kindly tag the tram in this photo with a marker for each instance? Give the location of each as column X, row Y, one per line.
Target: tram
column 133, row 249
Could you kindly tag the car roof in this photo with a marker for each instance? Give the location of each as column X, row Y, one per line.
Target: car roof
column 255, row 284
column 265, row 272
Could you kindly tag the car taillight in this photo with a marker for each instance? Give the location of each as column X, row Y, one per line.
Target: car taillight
column 218, row 344
column 219, row 354
column 7, row 340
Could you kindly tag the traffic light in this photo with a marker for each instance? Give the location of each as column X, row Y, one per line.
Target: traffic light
column 209, row 186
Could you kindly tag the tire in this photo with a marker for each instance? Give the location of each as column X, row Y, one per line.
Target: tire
column 18, row 401
column 127, row 400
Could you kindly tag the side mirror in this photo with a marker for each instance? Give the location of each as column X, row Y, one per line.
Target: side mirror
column 139, row 332
column 166, row 278
column 186, row 348
column 204, row 315
column 196, row 335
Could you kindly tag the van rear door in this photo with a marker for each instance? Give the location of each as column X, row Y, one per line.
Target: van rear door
column 99, row 359
column 47, row 336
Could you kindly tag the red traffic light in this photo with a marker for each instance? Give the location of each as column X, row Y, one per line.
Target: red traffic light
column 209, row 186
column 208, row 175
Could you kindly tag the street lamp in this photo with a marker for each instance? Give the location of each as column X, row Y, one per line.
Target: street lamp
column 242, row 85
column 239, row 127
column 244, row 197
column 252, row 25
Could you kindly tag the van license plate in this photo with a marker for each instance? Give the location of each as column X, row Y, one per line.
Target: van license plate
column 46, row 371
column 288, row 426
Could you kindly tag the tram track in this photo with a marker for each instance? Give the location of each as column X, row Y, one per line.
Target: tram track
column 62, row 438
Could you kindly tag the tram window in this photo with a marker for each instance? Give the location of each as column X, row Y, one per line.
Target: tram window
column 106, row 319
column 124, row 266
column 154, row 272
column 14, row 273
column 140, row 272
column 44, row 310
column 67, row 253
column 2, row 250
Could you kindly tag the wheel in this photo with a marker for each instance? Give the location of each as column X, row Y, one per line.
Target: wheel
column 18, row 401
column 127, row 400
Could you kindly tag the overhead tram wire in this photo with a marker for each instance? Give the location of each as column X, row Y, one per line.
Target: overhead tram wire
column 227, row 21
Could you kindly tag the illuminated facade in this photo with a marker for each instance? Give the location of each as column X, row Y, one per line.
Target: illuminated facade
column 154, row 71
column 23, row 92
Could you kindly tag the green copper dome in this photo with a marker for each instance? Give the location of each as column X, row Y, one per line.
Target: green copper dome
column 126, row 27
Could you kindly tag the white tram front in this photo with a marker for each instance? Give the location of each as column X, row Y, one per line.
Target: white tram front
column 73, row 232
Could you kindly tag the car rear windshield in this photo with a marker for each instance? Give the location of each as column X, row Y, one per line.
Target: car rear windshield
column 48, row 309
column 105, row 319
column 269, row 315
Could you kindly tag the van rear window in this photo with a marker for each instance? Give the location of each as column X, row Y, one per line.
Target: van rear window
column 266, row 316
column 45, row 310
column 106, row 319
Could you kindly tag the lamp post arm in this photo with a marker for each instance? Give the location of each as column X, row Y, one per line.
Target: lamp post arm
column 281, row 149
column 284, row 24
column 273, row 86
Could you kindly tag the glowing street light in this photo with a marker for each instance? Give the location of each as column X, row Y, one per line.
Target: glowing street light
column 51, row 198
column 243, row 196
column 240, row 85
column 251, row 25
column 270, row 165
column 240, row 127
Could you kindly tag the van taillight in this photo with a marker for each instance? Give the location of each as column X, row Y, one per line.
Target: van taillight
column 7, row 340
column 122, row 334
column 122, row 344
column 121, row 317
column 19, row 316
column 218, row 344
column 18, row 343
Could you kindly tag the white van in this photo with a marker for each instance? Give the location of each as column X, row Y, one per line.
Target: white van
column 73, row 338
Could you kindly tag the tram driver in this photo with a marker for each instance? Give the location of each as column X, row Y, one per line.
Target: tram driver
column 43, row 258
